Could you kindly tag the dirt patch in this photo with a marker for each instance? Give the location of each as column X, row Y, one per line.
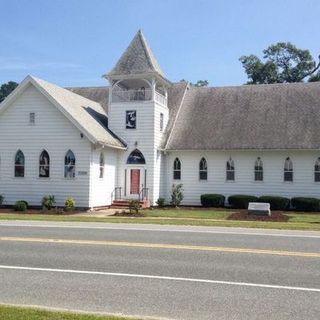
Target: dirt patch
column 244, row 215
column 128, row 214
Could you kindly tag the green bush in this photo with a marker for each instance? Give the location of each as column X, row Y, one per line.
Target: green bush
column 212, row 200
column 176, row 195
column 134, row 206
column 70, row 204
column 241, row 201
column 1, row 199
column 48, row 202
column 305, row 204
column 161, row 202
column 21, row 205
column 276, row 203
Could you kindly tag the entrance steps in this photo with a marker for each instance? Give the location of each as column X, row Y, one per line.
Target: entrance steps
column 124, row 204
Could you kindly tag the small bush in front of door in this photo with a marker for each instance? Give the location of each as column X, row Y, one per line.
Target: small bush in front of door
column 134, row 206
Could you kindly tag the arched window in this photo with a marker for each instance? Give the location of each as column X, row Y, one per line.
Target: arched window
column 317, row 170
column 101, row 166
column 44, row 165
column 203, row 169
column 230, row 170
column 69, row 165
column 19, row 164
column 136, row 157
column 288, row 170
column 258, row 170
column 177, row 169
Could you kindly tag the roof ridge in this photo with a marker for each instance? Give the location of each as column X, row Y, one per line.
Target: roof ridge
column 176, row 118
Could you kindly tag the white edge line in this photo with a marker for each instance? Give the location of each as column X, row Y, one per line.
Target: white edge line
column 162, row 230
column 143, row 276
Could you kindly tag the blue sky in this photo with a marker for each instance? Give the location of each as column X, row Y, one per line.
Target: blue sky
column 74, row 42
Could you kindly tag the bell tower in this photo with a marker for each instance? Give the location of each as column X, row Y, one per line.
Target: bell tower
column 138, row 113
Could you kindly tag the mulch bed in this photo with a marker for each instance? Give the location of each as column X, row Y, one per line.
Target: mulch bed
column 244, row 215
column 53, row 212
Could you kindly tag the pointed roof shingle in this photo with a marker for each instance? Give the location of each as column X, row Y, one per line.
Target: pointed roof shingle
column 137, row 59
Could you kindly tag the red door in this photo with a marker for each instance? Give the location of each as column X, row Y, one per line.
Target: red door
column 134, row 181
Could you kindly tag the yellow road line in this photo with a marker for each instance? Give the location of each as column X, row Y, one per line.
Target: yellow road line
column 165, row 246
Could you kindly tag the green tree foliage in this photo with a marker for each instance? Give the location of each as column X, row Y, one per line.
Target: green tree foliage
column 6, row 89
column 315, row 77
column 283, row 62
column 199, row 83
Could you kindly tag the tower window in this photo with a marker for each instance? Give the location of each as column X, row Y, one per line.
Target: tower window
column 131, row 119
column 32, row 118
column 161, row 122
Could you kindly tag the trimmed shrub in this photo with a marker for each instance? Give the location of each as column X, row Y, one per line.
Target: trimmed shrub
column 276, row 203
column 212, row 200
column 21, row 205
column 1, row 199
column 134, row 206
column 48, row 202
column 305, row 204
column 176, row 195
column 241, row 201
column 161, row 202
column 70, row 204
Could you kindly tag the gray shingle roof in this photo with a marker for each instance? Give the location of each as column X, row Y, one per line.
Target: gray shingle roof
column 137, row 59
column 97, row 94
column 86, row 114
column 279, row 116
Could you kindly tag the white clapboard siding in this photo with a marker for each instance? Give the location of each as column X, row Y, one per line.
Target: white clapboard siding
column 146, row 137
column 52, row 132
column 273, row 164
column 101, row 188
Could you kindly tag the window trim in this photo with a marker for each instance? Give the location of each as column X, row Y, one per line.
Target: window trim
column 101, row 166
column 288, row 170
column 258, row 164
column 19, row 165
column 43, row 165
column 177, row 168
column 315, row 171
column 203, row 160
column 230, row 163
column 65, row 166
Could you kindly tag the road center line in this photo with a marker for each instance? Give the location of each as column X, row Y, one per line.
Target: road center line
column 144, row 276
column 164, row 246
column 240, row 232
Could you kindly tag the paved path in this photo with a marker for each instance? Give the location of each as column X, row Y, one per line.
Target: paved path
column 174, row 272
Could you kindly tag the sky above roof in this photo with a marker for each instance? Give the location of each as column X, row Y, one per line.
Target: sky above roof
column 75, row 42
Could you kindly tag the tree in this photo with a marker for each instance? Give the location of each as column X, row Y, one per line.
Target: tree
column 201, row 83
column 6, row 89
column 284, row 62
column 315, row 77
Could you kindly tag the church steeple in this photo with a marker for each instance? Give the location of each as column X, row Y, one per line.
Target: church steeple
column 138, row 59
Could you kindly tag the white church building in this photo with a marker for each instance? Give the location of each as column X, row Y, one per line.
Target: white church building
column 141, row 134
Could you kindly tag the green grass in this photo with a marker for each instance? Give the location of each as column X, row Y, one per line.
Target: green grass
column 18, row 313
column 192, row 213
column 183, row 216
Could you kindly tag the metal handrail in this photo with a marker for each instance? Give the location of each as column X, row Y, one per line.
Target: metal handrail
column 116, row 194
column 144, row 194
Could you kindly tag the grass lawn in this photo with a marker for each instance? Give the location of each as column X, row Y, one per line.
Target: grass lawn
column 184, row 216
column 17, row 313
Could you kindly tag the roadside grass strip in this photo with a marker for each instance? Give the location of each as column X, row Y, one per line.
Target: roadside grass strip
column 166, row 246
column 9, row 312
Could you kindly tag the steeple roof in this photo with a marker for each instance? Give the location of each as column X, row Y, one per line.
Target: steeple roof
column 137, row 59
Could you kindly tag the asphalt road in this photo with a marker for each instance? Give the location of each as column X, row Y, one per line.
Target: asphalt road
column 170, row 272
